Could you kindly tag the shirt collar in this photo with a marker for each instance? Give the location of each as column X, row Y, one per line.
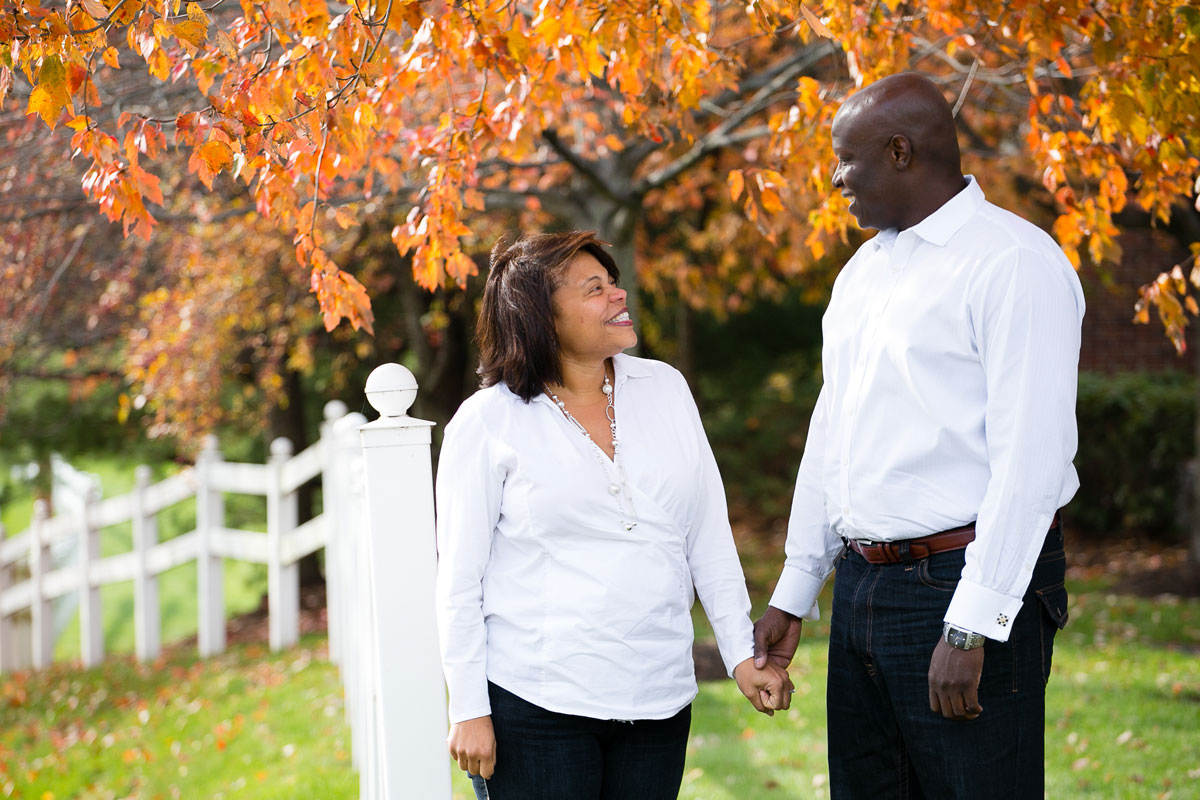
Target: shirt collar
column 624, row 366
column 942, row 224
column 627, row 366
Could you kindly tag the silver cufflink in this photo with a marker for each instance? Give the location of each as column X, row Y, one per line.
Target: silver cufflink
column 1002, row 620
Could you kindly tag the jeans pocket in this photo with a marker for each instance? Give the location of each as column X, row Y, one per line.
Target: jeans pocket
column 1053, row 602
column 941, row 571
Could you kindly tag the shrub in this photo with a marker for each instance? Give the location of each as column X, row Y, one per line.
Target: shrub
column 1136, row 433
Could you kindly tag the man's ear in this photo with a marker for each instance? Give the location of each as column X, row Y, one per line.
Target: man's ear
column 900, row 149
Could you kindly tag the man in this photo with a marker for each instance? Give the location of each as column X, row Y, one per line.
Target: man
column 937, row 458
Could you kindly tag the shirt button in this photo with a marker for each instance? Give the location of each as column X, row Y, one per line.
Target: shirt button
column 846, row 509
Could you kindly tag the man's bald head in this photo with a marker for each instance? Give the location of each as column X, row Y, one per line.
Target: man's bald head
column 913, row 106
column 898, row 158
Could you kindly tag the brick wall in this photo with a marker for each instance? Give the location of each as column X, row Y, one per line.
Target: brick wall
column 1111, row 341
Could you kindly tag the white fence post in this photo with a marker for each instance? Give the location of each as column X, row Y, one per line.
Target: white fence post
column 147, row 626
column 91, row 624
column 410, row 692
column 8, row 627
column 334, row 509
column 42, row 637
column 283, row 580
column 349, row 534
column 210, row 572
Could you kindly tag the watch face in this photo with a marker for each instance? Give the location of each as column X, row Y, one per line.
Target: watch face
column 963, row 640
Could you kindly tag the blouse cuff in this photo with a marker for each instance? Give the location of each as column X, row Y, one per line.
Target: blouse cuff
column 468, row 699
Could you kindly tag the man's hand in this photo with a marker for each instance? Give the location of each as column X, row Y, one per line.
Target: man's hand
column 954, row 681
column 776, row 635
column 768, row 689
column 472, row 744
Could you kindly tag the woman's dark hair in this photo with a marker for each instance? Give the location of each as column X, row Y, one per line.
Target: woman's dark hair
column 515, row 333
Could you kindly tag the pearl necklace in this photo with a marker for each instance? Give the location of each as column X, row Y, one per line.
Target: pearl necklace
column 617, row 488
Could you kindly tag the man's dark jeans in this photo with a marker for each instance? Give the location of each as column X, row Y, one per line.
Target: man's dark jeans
column 543, row 755
column 884, row 742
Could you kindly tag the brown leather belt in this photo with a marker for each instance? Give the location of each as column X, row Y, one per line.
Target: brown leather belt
column 921, row 547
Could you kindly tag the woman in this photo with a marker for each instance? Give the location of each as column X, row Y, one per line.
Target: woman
column 579, row 506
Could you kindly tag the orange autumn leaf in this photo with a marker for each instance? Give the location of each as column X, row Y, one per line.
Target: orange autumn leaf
column 217, row 155
column 737, row 182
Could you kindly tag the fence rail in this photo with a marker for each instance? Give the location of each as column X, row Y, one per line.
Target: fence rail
column 376, row 528
column 209, row 543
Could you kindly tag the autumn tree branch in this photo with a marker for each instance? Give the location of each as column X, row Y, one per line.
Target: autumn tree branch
column 726, row 134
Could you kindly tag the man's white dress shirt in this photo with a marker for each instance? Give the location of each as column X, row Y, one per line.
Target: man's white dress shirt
column 541, row 590
column 950, row 360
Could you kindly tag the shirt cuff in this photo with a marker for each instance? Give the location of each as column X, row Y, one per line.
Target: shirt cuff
column 982, row 610
column 461, row 712
column 796, row 593
column 735, row 641
column 468, row 698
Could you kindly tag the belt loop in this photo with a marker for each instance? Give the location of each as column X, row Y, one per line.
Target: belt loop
column 905, row 555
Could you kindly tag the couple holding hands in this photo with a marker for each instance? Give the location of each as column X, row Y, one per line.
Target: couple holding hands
column 580, row 510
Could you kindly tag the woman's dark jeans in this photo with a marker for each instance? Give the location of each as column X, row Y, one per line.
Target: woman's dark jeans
column 543, row 755
column 884, row 742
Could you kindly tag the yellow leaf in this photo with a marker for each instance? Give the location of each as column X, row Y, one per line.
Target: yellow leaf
column 226, row 44
column 815, row 23
column 45, row 104
column 110, row 57
column 190, row 31
column 159, row 66
column 737, row 182
column 771, row 201
column 95, row 8
column 196, row 14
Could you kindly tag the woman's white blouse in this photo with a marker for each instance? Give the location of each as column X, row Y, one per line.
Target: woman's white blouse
column 541, row 590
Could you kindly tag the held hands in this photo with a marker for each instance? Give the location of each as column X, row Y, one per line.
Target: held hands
column 776, row 635
column 768, row 689
column 954, row 681
column 472, row 744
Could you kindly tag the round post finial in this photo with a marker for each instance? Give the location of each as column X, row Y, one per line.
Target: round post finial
column 391, row 390
column 335, row 409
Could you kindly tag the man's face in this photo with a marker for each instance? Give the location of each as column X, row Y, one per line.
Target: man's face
column 866, row 174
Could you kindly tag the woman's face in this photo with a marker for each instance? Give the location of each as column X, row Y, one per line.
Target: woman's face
column 590, row 317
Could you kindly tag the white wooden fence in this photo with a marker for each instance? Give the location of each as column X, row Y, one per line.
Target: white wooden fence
column 377, row 531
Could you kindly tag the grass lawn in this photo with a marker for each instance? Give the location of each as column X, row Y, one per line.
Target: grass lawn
column 1123, row 722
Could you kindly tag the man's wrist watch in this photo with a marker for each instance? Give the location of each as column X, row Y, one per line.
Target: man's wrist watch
column 961, row 639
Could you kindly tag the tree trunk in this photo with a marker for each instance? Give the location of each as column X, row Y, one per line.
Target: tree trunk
column 291, row 422
column 683, row 339
column 1194, row 517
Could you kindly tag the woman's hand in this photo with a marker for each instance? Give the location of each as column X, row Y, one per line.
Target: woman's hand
column 768, row 689
column 472, row 744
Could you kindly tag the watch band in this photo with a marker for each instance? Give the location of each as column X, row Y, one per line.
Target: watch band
column 961, row 639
